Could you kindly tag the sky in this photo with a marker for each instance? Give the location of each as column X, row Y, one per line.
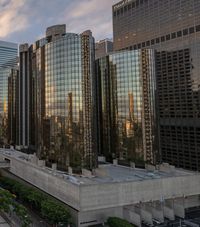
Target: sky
column 26, row 20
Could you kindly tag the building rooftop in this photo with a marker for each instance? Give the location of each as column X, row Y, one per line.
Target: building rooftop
column 106, row 173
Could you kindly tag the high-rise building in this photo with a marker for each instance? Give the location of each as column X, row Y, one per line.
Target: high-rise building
column 8, row 60
column 103, row 48
column 63, row 75
column 173, row 29
column 25, row 120
column 8, row 54
column 126, row 82
column 13, row 104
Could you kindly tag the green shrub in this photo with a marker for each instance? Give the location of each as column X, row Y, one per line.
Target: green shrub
column 53, row 211
column 118, row 222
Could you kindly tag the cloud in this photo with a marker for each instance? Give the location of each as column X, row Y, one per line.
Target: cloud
column 11, row 18
column 26, row 20
column 90, row 14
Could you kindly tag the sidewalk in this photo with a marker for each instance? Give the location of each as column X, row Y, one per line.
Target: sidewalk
column 3, row 222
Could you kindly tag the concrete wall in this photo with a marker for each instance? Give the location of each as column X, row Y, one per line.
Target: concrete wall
column 192, row 201
column 168, row 213
column 98, row 216
column 131, row 216
column 146, row 216
column 126, row 193
column 54, row 185
column 157, row 214
column 179, row 207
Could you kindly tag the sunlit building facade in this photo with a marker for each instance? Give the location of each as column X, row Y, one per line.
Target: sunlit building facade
column 13, row 107
column 126, row 82
column 173, row 29
column 63, row 71
column 8, row 61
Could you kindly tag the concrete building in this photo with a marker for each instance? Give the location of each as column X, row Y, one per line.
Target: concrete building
column 173, row 29
column 103, row 47
column 133, row 194
column 127, row 115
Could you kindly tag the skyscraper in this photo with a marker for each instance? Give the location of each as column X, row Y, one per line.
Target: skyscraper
column 8, row 60
column 103, row 48
column 25, row 104
column 63, row 74
column 8, row 54
column 126, row 82
column 173, row 29
column 13, row 104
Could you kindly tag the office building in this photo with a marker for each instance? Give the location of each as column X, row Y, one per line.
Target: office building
column 13, row 104
column 25, row 120
column 63, row 74
column 126, row 82
column 8, row 54
column 173, row 29
column 103, row 48
column 8, row 60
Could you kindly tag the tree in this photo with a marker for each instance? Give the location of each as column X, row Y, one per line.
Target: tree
column 22, row 213
column 55, row 213
column 8, row 203
column 48, row 208
column 6, row 200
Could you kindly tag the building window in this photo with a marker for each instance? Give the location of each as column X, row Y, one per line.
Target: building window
column 197, row 28
column 157, row 40
column 185, row 31
column 168, row 37
column 179, row 33
column 152, row 42
column 125, row 8
column 143, row 44
column 163, row 39
column 173, row 35
column 191, row 30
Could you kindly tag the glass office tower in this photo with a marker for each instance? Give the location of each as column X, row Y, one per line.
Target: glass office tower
column 8, row 54
column 13, row 106
column 63, row 74
column 173, row 29
column 8, row 60
column 126, row 83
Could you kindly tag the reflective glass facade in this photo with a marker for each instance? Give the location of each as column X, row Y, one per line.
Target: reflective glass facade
column 13, row 104
column 172, row 27
column 8, row 56
column 4, row 72
column 127, row 109
column 63, row 72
